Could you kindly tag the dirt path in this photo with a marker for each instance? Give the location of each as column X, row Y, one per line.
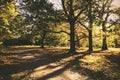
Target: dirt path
column 36, row 64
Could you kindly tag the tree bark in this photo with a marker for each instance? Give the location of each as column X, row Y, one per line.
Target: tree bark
column 104, row 43
column 43, row 40
column 69, row 10
column 72, row 38
column 90, row 16
column 90, row 41
column 116, row 43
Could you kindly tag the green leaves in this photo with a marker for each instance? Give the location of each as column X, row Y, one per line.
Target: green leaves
column 7, row 15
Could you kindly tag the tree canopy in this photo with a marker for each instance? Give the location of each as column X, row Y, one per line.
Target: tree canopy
column 81, row 22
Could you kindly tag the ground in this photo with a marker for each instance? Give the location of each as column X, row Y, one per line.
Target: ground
column 34, row 63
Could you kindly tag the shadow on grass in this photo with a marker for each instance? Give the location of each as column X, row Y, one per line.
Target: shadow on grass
column 57, row 72
column 51, row 56
column 112, row 72
column 114, row 58
column 6, row 70
column 75, row 66
column 91, row 75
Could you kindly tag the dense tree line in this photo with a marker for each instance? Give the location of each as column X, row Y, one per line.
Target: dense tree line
column 89, row 23
column 93, row 12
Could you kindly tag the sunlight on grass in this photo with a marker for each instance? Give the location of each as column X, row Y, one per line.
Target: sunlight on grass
column 27, row 46
column 93, row 62
column 18, row 75
column 115, row 49
column 99, row 63
column 91, row 59
column 1, row 43
column 103, row 65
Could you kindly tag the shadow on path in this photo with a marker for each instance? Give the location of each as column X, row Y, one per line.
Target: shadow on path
column 52, row 56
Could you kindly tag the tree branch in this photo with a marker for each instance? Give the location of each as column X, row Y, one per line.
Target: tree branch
column 83, row 25
column 64, row 8
column 61, row 32
column 82, row 10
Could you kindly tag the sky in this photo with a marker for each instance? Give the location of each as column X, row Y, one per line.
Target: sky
column 57, row 3
column 116, row 3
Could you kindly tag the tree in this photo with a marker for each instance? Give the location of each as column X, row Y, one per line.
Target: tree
column 88, row 19
column 7, row 15
column 40, row 14
column 73, row 9
column 117, row 29
column 105, row 11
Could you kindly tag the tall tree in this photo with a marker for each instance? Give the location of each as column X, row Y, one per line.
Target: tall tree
column 7, row 15
column 105, row 11
column 88, row 19
column 116, row 28
column 73, row 9
column 39, row 14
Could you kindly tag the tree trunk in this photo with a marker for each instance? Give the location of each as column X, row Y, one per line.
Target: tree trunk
column 90, row 41
column 90, row 27
column 43, row 40
column 72, row 38
column 116, row 43
column 104, row 43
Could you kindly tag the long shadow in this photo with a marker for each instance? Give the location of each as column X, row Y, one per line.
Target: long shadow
column 7, row 70
column 27, row 51
column 91, row 75
column 98, row 75
column 98, row 51
column 57, row 72
column 114, row 58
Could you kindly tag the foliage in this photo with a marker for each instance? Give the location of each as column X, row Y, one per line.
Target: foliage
column 8, row 19
column 40, row 19
column 39, row 23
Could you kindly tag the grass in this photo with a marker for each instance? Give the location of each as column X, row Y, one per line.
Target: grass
column 29, row 62
column 102, row 65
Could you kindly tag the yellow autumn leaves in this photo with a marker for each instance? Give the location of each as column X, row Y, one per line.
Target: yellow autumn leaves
column 7, row 11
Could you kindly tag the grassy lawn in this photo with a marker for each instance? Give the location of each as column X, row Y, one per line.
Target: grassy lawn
column 34, row 63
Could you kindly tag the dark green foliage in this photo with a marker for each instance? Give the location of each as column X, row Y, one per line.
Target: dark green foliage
column 41, row 16
column 3, row 2
column 38, row 22
column 16, row 42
